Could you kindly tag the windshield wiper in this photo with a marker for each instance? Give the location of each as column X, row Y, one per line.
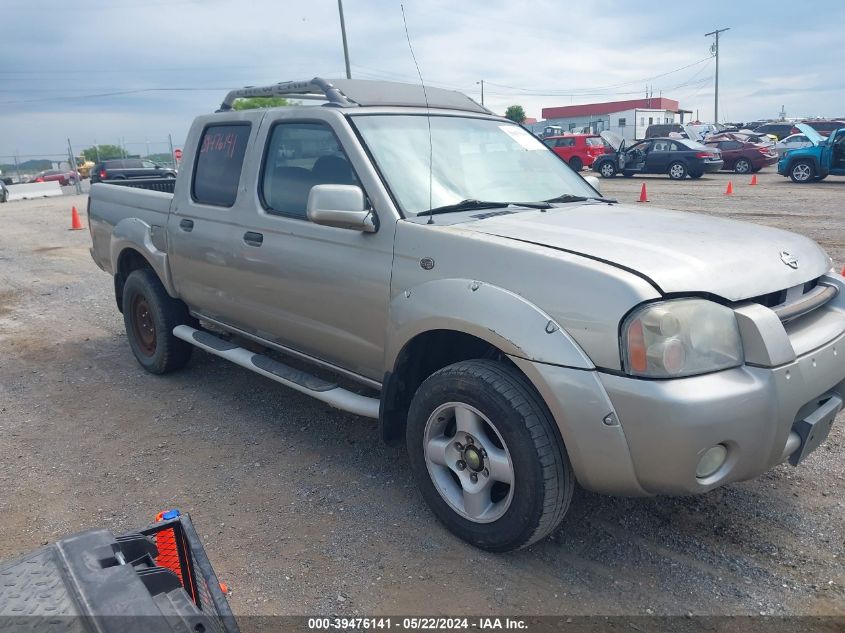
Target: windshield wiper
column 568, row 197
column 472, row 205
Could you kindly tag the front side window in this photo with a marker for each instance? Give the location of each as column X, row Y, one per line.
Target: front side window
column 220, row 156
column 299, row 156
column 470, row 159
column 148, row 164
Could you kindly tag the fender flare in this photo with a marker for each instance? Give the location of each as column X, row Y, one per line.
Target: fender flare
column 502, row 318
column 135, row 234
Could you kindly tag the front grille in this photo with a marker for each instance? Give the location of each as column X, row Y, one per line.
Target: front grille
column 797, row 301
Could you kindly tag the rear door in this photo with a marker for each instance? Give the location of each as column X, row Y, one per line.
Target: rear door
column 658, row 157
column 205, row 237
column 731, row 151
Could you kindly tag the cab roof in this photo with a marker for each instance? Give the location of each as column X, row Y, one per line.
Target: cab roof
column 351, row 93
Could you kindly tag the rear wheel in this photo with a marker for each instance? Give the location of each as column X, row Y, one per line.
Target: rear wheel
column 802, row 172
column 677, row 171
column 150, row 315
column 696, row 175
column 607, row 169
column 487, row 457
column 628, row 174
column 576, row 163
column 742, row 166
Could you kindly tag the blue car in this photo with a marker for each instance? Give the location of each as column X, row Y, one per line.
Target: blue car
column 826, row 156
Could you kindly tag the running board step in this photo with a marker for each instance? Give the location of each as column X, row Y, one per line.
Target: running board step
column 327, row 392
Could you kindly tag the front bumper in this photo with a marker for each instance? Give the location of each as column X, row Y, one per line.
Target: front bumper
column 637, row 437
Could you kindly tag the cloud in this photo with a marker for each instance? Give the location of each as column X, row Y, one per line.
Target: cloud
column 538, row 54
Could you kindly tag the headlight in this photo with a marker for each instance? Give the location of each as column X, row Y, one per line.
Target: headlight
column 683, row 337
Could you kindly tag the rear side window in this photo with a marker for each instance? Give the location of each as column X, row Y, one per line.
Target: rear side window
column 595, row 141
column 220, row 156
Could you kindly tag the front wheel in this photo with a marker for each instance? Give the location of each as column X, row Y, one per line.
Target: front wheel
column 150, row 315
column 802, row 172
column 677, row 171
column 487, row 456
column 607, row 169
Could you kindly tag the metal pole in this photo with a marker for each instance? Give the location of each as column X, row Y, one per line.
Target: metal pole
column 716, row 98
column 172, row 155
column 76, row 182
column 17, row 167
column 96, row 150
column 482, row 90
column 343, row 35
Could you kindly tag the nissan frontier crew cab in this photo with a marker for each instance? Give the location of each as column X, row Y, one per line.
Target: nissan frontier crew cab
column 442, row 270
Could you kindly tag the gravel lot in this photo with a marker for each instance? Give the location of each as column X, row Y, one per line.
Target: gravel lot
column 303, row 511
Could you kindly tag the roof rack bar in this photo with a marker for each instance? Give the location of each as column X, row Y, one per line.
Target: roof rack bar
column 316, row 88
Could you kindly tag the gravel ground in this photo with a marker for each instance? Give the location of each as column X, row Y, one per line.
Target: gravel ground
column 303, row 511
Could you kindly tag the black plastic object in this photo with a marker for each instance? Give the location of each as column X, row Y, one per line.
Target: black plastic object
column 155, row 580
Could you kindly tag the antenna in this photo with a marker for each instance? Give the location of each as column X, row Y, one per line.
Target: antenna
column 427, row 118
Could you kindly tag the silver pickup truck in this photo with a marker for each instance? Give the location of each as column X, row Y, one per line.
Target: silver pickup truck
column 405, row 254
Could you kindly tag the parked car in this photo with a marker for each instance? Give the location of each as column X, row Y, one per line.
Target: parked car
column 793, row 141
column 823, row 127
column 781, row 129
column 743, row 157
column 124, row 168
column 658, row 130
column 578, row 150
column 64, row 178
column 514, row 330
column 676, row 157
column 826, row 156
column 745, row 137
column 4, row 193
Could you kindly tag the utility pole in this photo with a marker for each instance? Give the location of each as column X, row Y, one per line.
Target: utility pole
column 343, row 34
column 716, row 100
column 73, row 168
column 482, row 90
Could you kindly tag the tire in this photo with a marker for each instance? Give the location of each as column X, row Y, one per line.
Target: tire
column 743, row 166
column 820, row 178
column 696, row 175
column 677, row 171
column 802, row 171
column 628, row 174
column 149, row 315
column 607, row 169
column 519, row 441
column 576, row 164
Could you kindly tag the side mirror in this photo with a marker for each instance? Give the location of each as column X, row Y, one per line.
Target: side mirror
column 158, row 167
column 593, row 182
column 341, row 206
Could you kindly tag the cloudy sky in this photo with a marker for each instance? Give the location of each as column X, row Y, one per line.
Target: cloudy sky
column 137, row 70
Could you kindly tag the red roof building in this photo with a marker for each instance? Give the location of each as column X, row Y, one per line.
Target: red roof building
column 610, row 107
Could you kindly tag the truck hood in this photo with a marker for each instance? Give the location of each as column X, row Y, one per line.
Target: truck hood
column 677, row 252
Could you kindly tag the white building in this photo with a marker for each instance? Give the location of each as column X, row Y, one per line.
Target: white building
column 629, row 119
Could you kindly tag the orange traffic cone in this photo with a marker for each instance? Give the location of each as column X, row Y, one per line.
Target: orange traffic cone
column 754, row 179
column 75, row 223
column 729, row 191
column 643, row 195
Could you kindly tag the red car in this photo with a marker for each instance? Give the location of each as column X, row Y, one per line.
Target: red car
column 743, row 157
column 64, row 177
column 578, row 150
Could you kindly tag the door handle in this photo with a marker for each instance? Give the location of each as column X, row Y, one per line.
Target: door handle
column 186, row 225
column 253, row 239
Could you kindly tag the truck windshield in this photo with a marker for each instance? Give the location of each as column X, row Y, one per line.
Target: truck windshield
column 471, row 159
